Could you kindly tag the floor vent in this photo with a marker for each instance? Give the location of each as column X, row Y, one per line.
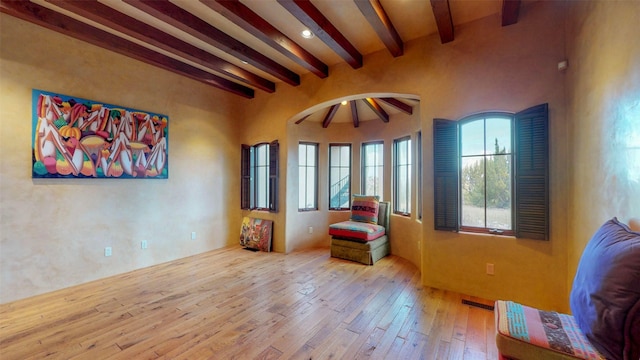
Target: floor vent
column 477, row 304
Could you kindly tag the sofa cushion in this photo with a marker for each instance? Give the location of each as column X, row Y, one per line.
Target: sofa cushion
column 365, row 208
column 355, row 230
column 605, row 297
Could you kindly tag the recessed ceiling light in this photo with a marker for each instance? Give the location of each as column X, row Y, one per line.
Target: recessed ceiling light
column 344, row 102
column 244, row 62
column 307, row 34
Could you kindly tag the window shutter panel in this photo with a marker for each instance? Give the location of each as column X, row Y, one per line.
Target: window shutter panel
column 245, row 177
column 532, row 173
column 445, row 171
column 274, row 151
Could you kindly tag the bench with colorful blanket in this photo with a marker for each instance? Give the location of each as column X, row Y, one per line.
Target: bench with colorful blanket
column 605, row 307
column 552, row 335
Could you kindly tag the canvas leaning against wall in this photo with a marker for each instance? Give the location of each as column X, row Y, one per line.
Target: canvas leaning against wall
column 79, row 138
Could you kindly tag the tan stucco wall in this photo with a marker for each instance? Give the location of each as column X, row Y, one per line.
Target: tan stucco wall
column 604, row 112
column 487, row 67
column 53, row 232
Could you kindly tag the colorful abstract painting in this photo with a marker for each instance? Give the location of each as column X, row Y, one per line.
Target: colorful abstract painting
column 79, row 138
column 256, row 234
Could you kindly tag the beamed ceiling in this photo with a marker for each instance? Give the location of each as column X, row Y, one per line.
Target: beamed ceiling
column 256, row 45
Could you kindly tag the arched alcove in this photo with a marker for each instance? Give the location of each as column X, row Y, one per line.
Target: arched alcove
column 310, row 228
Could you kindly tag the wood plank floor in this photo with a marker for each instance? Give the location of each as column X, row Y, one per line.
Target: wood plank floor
column 236, row 304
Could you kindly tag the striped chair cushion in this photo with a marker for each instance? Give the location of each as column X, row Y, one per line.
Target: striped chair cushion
column 355, row 230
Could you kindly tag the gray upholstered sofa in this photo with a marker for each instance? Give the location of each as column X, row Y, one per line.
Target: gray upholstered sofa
column 365, row 252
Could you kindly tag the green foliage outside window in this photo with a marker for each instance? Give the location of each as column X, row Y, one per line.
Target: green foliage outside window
column 498, row 184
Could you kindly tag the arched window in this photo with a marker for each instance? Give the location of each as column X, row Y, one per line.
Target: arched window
column 491, row 173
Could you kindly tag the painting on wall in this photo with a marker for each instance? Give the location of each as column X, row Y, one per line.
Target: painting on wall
column 255, row 234
column 79, row 138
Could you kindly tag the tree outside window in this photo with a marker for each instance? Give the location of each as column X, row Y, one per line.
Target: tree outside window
column 486, row 173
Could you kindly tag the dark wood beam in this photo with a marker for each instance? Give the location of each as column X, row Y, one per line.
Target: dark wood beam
column 377, row 109
column 510, row 12
column 111, row 18
column 442, row 14
column 354, row 114
column 313, row 19
column 176, row 16
column 249, row 21
column 405, row 108
column 303, row 119
column 55, row 21
column 332, row 112
column 379, row 20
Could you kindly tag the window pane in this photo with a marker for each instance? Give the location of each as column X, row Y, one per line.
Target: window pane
column 498, row 135
column 339, row 176
column 262, row 154
column 307, row 176
column 302, row 192
column 373, row 169
column 334, row 155
column 302, row 154
column 486, row 176
column 345, row 155
column 311, row 154
column 473, row 197
column 499, row 192
column 402, row 176
column 262, row 176
column 262, row 186
column 472, row 138
column 419, row 179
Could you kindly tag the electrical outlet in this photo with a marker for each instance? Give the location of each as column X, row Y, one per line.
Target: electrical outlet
column 107, row 251
column 490, row 269
column 193, row 235
column 310, row 229
column 144, row 244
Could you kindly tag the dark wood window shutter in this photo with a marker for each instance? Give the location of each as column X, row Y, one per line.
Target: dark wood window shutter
column 532, row 173
column 274, row 151
column 245, row 177
column 445, row 170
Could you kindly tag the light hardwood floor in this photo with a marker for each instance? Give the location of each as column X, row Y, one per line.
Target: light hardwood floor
column 236, row 304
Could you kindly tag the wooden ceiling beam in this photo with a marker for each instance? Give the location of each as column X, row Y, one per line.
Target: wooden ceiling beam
column 249, row 21
column 303, row 119
column 111, row 18
column 354, row 113
column 379, row 20
column 313, row 19
column 176, row 16
column 332, row 112
column 58, row 22
column 444, row 22
column 373, row 104
column 510, row 12
column 405, row 108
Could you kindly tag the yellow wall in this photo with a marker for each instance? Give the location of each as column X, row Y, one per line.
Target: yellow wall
column 487, row 67
column 604, row 111
column 53, row 232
